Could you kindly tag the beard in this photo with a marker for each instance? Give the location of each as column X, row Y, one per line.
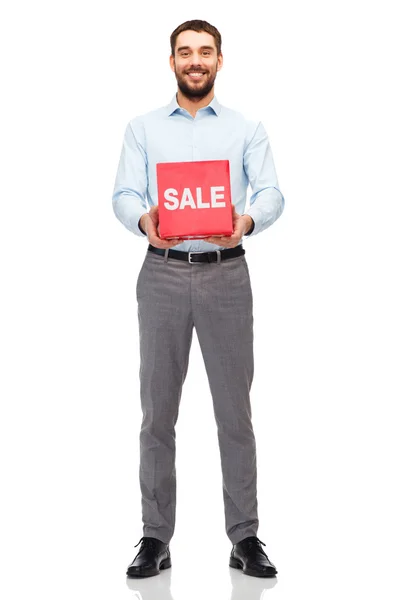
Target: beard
column 195, row 91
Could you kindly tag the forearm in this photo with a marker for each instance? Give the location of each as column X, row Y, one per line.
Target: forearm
column 267, row 201
column 265, row 209
column 142, row 223
column 129, row 211
column 249, row 222
column 129, row 195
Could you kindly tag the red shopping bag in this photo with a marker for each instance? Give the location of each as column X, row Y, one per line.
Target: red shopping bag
column 194, row 199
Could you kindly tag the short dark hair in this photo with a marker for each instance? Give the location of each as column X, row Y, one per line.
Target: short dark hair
column 198, row 26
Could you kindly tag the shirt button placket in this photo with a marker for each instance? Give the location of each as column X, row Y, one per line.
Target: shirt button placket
column 193, row 140
column 196, row 245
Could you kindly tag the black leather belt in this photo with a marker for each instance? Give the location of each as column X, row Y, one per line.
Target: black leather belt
column 196, row 257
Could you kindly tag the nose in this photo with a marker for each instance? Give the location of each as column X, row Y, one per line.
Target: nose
column 196, row 59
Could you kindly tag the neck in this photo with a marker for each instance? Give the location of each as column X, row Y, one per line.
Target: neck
column 192, row 105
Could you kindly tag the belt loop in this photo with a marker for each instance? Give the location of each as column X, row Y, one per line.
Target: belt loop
column 166, row 255
column 218, row 256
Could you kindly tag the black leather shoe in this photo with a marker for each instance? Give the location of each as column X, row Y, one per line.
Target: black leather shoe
column 251, row 558
column 152, row 557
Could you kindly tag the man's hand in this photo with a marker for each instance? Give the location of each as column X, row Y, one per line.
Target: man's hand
column 241, row 225
column 149, row 224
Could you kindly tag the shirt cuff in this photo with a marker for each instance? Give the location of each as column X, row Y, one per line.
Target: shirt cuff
column 266, row 209
column 140, row 229
column 250, row 231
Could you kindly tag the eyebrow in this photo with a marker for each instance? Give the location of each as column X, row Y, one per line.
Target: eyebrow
column 201, row 47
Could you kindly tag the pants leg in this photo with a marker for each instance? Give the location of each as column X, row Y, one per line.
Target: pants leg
column 165, row 331
column 222, row 311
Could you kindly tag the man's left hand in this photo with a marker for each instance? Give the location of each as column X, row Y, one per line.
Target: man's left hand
column 241, row 225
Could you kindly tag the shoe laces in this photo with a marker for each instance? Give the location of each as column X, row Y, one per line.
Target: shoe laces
column 147, row 542
column 255, row 541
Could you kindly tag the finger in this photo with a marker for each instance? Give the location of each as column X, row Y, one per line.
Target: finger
column 219, row 242
column 164, row 244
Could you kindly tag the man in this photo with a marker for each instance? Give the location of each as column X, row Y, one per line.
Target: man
column 196, row 283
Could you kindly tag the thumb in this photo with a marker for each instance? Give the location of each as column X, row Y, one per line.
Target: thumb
column 235, row 215
column 154, row 215
column 151, row 226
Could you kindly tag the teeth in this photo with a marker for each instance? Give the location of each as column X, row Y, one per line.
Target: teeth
column 195, row 74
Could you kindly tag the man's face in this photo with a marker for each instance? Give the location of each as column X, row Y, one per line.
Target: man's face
column 195, row 63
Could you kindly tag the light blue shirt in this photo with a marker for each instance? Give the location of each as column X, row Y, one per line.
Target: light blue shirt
column 171, row 134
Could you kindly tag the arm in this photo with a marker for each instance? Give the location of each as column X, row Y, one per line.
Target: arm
column 129, row 196
column 267, row 201
column 140, row 224
column 251, row 224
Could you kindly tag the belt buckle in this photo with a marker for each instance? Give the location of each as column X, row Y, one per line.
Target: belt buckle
column 190, row 258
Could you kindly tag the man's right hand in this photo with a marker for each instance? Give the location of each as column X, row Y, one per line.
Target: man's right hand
column 149, row 224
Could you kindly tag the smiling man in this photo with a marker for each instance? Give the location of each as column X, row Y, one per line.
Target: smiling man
column 195, row 81
column 213, row 295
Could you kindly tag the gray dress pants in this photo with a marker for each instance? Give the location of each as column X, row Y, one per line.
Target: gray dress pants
column 216, row 298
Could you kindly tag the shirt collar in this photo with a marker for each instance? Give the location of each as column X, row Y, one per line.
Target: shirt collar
column 173, row 106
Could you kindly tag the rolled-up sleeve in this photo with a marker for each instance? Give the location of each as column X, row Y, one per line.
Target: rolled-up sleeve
column 130, row 189
column 267, row 201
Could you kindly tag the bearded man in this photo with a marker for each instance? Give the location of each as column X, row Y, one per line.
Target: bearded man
column 196, row 283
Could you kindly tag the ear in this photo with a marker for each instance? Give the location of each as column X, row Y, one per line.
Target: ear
column 172, row 63
column 220, row 61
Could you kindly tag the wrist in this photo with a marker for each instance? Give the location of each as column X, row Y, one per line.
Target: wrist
column 143, row 223
column 249, row 224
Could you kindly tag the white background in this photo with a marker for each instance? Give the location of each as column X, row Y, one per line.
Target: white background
column 323, row 79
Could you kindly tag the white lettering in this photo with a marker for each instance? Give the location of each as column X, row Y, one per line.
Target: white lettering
column 169, row 195
column 187, row 199
column 200, row 203
column 215, row 196
column 172, row 201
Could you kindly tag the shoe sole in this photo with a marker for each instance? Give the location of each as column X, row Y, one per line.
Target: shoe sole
column 236, row 564
column 165, row 564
